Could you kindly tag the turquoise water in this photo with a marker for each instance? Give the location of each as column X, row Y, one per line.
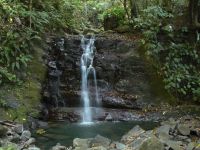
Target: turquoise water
column 64, row 133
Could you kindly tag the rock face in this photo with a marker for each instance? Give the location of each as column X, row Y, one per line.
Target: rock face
column 122, row 79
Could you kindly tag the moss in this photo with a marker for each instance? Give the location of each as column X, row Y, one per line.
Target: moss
column 28, row 94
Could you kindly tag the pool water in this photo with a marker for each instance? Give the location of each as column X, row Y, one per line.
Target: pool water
column 64, row 133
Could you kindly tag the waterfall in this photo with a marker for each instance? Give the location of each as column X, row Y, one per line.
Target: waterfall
column 87, row 68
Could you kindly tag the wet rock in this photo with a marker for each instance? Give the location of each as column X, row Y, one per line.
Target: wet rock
column 98, row 148
column 100, row 141
column 26, row 135
column 42, row 124
column 175, row 145
column 30, row 141
column 52, row 64
column 182, row 138
column 191, row 146
column 59, row 147
column 132, row 134
column 195, row 132
column 171, row 122
column 118, row 146
column 109, row 117
column 18, row 128
column 3, row 131
column 33, row 148
column 117, row 102
column 15, row 138
column 183, row 129
column 163, row 132
column 151, row 143
column 82, row 143
column 10, row 135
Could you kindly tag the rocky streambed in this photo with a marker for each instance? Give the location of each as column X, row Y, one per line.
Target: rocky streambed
column 173, row 134
column 15, row 137
column 179, row 134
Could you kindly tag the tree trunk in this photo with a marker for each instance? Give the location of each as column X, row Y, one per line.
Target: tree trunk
column 134, row 10
column 126, row 9
column 30, row 9
column 194, row 13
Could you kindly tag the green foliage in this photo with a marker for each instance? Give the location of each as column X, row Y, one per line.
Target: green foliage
column 117, row 12
column 177, row 61
column 14, row 48
column 181, row 74
column 151, row 18
column 22, row 22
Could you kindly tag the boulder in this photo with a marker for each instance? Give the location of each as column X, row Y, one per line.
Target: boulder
column 83, row 143
column 26, row 135
column 59, row 147
column 162, row 132
column 109, row 117
column 3, row 131
column 191, row 146
column 151, row 143
column 42, row 124
column 118, row 146
column 132, row 134
column 15, row 138
column 30, row 141
column 18, row 128
column 183, row 129
column 175, row 145
column 100, row 141
column 141, row 140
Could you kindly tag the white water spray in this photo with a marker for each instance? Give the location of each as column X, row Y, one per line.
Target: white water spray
column 86, row 69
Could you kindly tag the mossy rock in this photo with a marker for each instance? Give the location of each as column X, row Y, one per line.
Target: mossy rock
column 28, row 94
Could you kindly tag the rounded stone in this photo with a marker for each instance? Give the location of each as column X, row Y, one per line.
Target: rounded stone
column 26, row 135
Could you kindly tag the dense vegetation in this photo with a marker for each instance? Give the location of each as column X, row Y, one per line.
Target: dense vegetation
column 23, row 21
column 169, row 34
column 169, row 38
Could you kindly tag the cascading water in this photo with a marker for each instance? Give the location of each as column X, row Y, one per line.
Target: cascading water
column 86, row 69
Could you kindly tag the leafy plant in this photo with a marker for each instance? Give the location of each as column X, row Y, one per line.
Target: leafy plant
column 22, row 22
column 151, row 18
column 117, row 12
column 178, row 62
column 181, row 74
